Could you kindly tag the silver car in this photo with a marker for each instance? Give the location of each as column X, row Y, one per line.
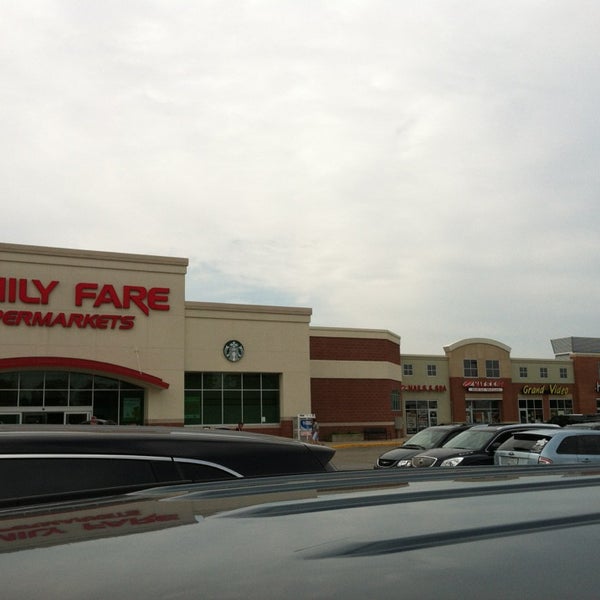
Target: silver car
column 550, row 446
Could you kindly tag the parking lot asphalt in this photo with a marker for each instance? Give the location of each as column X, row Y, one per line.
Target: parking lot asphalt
column 360, row 455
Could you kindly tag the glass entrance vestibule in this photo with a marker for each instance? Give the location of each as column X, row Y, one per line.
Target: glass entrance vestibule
column 68, row 397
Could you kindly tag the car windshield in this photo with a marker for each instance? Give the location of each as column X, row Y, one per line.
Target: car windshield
column 426, row 438
column 470, row 440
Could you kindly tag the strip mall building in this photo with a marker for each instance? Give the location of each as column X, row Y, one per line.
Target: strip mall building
column 111, row 335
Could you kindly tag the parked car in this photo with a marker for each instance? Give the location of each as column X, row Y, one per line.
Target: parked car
column 475, row 446
column 547, row 447
column 431, row 437
column 585, row 425
column 574, row 419
column 38, row 462
column 326, row 535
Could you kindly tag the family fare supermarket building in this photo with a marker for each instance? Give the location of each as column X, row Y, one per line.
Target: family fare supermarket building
column 110, row 335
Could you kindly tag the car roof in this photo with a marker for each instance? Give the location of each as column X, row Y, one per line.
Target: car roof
column 548, row 432
column 108, row 432
column 24, row 452
column 518, row 426
column 562, row 432
column 446, row 427
column 271, row 537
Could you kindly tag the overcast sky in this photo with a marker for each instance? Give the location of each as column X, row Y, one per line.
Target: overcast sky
column 427, row 167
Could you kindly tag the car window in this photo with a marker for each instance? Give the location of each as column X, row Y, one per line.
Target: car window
column 525, row 442
column 589, row 444
column 38, row 476
column 201, row 472
column 427, row 438
column 470, row 440
column 500, row 439
column 568, row 445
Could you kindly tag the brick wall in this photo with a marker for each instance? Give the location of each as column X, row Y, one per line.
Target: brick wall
column 332, row 348
column 586, row 373
column 358, row 403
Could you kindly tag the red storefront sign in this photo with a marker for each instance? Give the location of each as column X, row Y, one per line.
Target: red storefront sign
column 423, row 388
column 91, row 295
column 483, row 385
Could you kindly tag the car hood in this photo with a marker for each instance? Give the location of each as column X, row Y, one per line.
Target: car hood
column 443, row 453
column 271, row 538
column 400, row 453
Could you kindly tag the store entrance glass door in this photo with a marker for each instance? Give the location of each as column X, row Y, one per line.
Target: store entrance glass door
column 53, row 417
column 43, row 418
column 420, row 414
column 483, row 411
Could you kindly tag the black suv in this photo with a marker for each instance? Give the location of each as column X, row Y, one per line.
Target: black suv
column 46, row 463
column 475, row 446
column 431, row 437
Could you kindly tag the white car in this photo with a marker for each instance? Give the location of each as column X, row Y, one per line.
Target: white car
column 550, row 446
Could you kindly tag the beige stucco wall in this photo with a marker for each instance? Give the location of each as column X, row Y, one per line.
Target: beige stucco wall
column 533, row 370
column 480, row 349
column 275, row 340
column 155, row 344
column 420, row 378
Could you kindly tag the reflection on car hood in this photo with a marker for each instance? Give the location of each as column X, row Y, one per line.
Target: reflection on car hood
column 442, row 453
column 320, row 535
column 400, row 453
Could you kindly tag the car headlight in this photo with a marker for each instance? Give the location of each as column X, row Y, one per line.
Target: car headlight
column 452, row 462
column 404, row 463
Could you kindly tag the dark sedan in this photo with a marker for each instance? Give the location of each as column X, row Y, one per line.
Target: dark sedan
column 48, row 462
column 431, row 437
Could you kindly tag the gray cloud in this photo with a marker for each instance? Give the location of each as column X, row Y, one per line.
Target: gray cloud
column 428, row 168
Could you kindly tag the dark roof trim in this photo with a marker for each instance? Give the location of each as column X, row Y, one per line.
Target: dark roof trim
column 68, row 363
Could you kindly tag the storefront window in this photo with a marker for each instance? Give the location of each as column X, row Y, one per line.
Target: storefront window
column 8, row 397
column 270, row 406
column 483, row 411
column 231, row 398
column 132, row 407
column 106, row 405
column 32, row 380
column 31, row 397
column 193, row 403
column 420, row 414
column 232, row 406
column 56, row 380
column 81, row 398
column 56, row 397
column 560, row 406
column 9, row 419
column 531, row 410
column 81, row 381
column 232, row 381
column 105, row 383
column 251, row 409
column 63, row 397
column 212, row 407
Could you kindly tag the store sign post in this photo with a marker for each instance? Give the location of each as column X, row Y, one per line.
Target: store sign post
column 304, row 427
